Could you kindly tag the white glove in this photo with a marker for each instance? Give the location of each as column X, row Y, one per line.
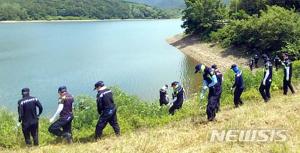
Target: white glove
column 201, row 96
column 51, row 120
column 264, row 83
column 18, row 125
column 205, row 87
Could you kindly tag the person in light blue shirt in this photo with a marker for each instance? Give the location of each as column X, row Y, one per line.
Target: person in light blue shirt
column 209, row 82
column 238, row 86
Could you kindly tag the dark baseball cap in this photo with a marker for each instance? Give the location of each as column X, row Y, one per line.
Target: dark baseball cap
column 25, row 91
column 198, row 68
column 233, row 66
column 174, row 83
column 99, row 84
column 214, row 66
column 62, row 89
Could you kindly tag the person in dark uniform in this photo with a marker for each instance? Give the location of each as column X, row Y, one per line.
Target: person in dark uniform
column 107, row 110
column 256, row 59
column 277, row 62
column 29, row 117
column 288, row 74
column 209, row 82
column 218, row 87
column 63, row 126
column 251, row 64
column 238, row 85
column 163, row 96
column 178, row 97
column 265, row 85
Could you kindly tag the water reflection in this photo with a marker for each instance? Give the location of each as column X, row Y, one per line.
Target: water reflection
column 190, row 80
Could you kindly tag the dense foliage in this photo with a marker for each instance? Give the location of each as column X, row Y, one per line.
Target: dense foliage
column 79, row 9
column 255, row 6
column 133, row 113
column 277, row 29
column 259, row 26
column 162, row 3
column 203, row 16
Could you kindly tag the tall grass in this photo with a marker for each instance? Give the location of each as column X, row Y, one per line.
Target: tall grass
column 133, row 113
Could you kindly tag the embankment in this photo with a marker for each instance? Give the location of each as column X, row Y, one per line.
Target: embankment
column 193, row 134
column 208, row 53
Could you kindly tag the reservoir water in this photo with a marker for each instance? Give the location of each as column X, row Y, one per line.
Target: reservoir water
column 132, row 55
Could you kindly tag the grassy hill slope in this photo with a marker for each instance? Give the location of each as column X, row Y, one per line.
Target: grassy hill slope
column 191, row 134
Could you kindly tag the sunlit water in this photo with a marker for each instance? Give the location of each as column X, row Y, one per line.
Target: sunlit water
column 133, row 55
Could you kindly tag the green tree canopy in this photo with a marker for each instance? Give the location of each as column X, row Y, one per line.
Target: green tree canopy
column 203, row 16
column 79, row 9
column 277, row 29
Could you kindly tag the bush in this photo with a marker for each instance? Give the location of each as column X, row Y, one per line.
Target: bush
column 203, row 16
column 277, row 29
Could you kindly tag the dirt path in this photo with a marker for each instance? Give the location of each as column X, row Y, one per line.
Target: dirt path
column 208, row 53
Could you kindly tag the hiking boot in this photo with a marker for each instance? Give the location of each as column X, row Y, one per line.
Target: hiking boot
column 68, row 138
column 267, row 100
column 211, row 119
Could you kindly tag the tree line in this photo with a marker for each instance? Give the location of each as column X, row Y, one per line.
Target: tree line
column 79, row 9
column 260, row 26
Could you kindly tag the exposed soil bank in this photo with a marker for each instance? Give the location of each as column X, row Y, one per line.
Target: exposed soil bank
column 208, row 53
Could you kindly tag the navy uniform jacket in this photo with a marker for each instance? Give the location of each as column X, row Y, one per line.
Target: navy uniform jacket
column 179, row 95
column 288, row 70
column 67, row 100
column 268, row 72
column 27, row 110
column 105, row 101
column 239, row 81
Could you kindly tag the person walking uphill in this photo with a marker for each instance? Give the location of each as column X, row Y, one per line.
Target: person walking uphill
column 288, row 73
column 163, row 96
column 29, row 117
column 178, row 97
column 63, row 126
column 218, row 87
column 238, row 85
column 209, row 82
column 106, row 109
column 256, row 59
column 265, row 85
column 277, row 62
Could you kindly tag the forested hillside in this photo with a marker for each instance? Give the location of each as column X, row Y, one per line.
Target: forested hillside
column 78, row 9
column 166, row 3
column 162, row 3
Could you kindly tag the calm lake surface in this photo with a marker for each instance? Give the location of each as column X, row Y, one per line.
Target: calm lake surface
column 133, row 55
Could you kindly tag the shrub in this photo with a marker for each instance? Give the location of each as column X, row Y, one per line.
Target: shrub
column 203, row 16
column 277, row 29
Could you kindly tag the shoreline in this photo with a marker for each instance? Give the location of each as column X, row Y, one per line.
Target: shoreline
column 208, row 53
column 87, row 20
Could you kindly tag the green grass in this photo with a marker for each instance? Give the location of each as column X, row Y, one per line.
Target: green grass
column 133, row 113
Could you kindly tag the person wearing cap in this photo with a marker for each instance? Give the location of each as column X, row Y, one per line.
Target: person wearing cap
column 277, row 62
column 238, row 85
column 210, row 82
column 178, row 97
column 163, row 96
column 256, row 59
column 251, row 63
column 218, row 86
column 265, row 85
column 107, row 110
column 62, row 127
column 288, row 74
column 27, row 110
